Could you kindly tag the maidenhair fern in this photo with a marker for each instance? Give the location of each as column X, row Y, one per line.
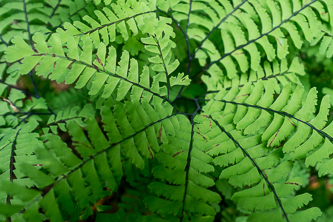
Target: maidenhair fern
column 177, row 110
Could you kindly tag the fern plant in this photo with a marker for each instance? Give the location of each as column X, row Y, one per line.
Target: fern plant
column 177, row 108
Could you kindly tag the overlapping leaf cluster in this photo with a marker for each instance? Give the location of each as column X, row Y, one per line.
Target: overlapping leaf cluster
column 133, row 61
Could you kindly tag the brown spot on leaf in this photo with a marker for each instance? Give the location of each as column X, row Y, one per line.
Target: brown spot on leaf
column 265, row 174
column 177, row 153
column 238, row 53
column 291, row 122
column 205, row 116
column 197, row 127
column 83, row 144
column 278, row 40
column 202, row 136
column 274, row 138
column 16, row 23
column 241, row 96
column 212, row 148
column 151, row 153
column 99, row 61
column 292, row 183
column 69, row 66
column 160, row 132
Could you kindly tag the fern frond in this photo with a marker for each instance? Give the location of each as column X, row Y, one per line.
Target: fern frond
column 24, row 18
column 249, row 32
column 100, row 69
column 84, row 174
column 14, row 149
column 255, row 122
column 178, row 189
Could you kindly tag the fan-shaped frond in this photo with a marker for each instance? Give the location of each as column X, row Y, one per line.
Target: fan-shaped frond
column 84, row 174
column 181, row 181
column 256, row 122
column 76, row 63
column 249, row 32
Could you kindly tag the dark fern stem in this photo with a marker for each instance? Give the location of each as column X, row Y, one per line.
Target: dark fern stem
column 11, row 169
column 187, row 169
column 164, row 66
column 31, row 44
column 3, row 41
column 53, row 12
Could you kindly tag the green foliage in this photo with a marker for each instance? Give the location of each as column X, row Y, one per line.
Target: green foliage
column 196, row 110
